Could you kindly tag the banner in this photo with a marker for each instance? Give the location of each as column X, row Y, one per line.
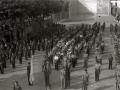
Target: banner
column 31, row 71
column 103, row 7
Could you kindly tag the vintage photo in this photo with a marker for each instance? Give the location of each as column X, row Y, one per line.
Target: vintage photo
column 59, row 45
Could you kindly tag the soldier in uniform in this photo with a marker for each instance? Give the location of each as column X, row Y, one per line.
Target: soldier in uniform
column 38, row 44
column 1, row 68
column 33, row 47
column 62, row 77
column 10, row 55
column 102, row 45
column 110, row 59
column 47, row 72
column 13, row 60
column 73, row 61
column 20, row 53
column 17, row 50
column 85, row 80
column 85, row 60
column 97, row 71
column 29, row 50
column 17, row 86
column 26, row 52
column 56, row 62
column 28, row 73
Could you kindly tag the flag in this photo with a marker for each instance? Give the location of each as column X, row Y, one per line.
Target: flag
column 31, row 71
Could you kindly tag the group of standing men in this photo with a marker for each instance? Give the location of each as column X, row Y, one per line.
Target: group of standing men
column 66, row 51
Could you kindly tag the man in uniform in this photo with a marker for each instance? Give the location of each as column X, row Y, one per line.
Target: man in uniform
column 13, row 60
column 26, row 52
column 85, row 60
column 56, row 62
column 28, row 73
column 29, row 50
column 47, row 72
column 110, row 59
column 97, row 71
column 102, row 46
column 20, row 53
column 62, row 77
column 85, row 80
column 17, row 86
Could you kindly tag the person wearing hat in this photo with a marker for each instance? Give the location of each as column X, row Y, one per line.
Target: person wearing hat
column 17, row 86
column 28, row 73
column 97, row 71
column 85, row 80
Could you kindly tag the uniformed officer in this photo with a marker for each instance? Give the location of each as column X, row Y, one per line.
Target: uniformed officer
column 56, row 62
column 38, row 44
column 47, row 72
column 85, row 80
column 1, row 68
column 29, row 50
column 13, row 60
column 33, row 47
column 62, row 77
column 28, row 73
column 97, row 71
column 110, row 59
column 73, row 61
column 102, row 46
column 17, row 49
column 26, row 52
column 4, row 59
column 85, row 60
column 17, row 86
column 20, row 53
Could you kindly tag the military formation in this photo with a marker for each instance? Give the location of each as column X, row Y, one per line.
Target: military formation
column 66, row 52
column 63, row 49
column 115, row 35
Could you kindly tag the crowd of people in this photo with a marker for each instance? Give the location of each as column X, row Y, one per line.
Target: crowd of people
column 115, row 34
column 63, row 50
column 66, row 52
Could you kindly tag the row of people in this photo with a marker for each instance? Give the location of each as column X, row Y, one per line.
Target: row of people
column 67, row 50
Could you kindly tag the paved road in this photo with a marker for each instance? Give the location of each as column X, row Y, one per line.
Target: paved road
column 107, row 79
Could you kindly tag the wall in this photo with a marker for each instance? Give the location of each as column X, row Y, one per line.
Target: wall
column 90, row 6
column 87, row 6
column 62, row 15
column 73, row 8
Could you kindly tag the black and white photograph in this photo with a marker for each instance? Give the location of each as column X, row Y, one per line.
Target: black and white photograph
column 59, row 44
